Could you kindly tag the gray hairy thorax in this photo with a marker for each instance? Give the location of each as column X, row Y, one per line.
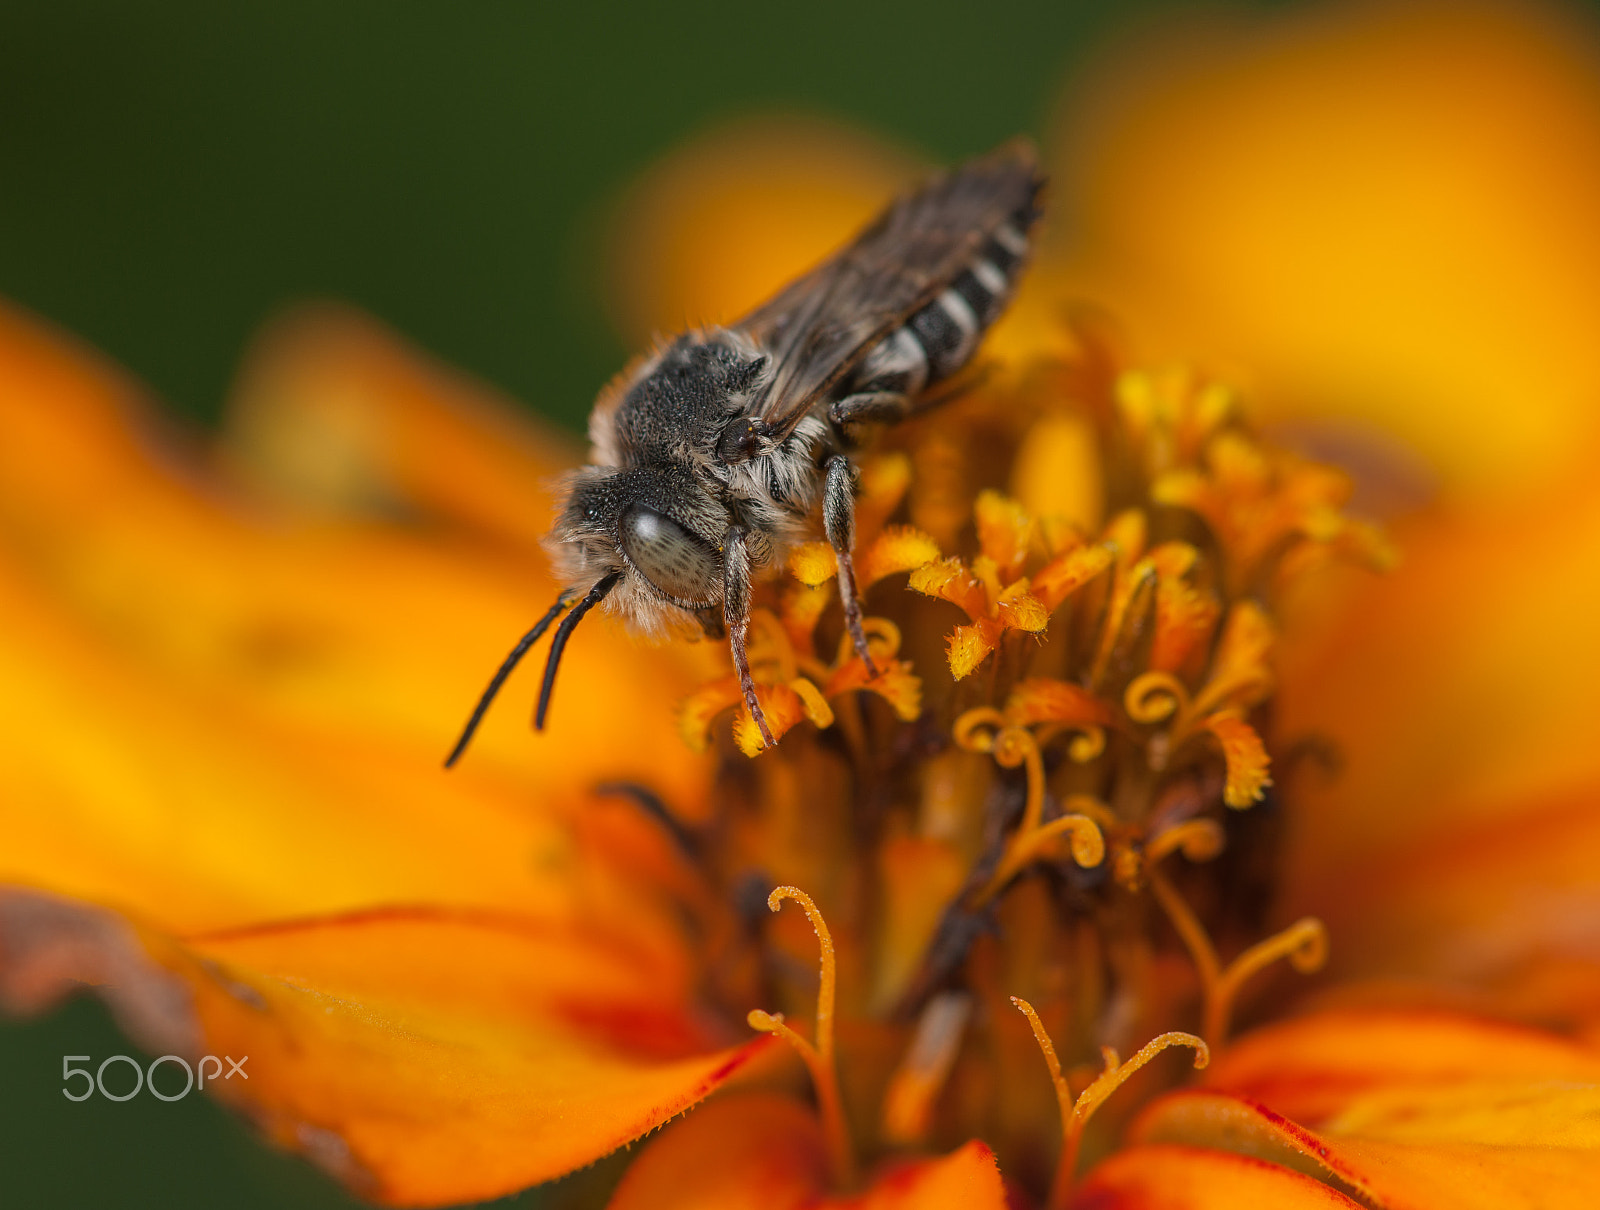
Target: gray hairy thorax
column 654, row 436
column 675, row 413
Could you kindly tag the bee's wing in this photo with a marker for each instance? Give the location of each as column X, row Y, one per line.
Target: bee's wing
column 819, row 326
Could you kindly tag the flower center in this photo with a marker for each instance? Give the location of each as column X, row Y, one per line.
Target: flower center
column 1057, row 790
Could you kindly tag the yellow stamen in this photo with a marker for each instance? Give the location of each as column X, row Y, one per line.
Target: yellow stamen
column 1075, row 1114
column 1195, row 939
column 1153, row 696
column 1088, row 742
column 1304, row 943
column 1094, row 809
column 883, row 640
column 773, row 1023
column 818, row 1057
column 1013, row 746
column 1199, row 839
column 976, row 729
column 1088, row 845
column 1063, row 1089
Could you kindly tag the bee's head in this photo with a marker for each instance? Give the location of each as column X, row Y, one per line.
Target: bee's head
column 656, row 525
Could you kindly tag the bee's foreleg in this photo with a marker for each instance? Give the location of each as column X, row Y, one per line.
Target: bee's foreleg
column 839, row 523
column 736, row 617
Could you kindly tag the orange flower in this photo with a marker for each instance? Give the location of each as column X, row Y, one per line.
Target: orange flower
column 1063, row 823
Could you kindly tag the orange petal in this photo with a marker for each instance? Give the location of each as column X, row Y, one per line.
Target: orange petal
column 802, row 607
column 1127, row 535
column 1482, row 631
column 305, row 629
column 783, row 708
column 128, row 786
column 968, row 646
column 720, row 224
column 1163, row 1176
column 895, row 683
column 1019, row 609
column 699, row 710
column 949, row 580
column 1246, row 758
column 756, row 1151
column 1004, row 532
column 1170, row 414
column 1044, row 699
column 882, row 483
column 1241, row 674
column 1466, row 170
column 765, row 1152
column 1185, row 615
column 812, row 700
column 424, row 1058
column 1468, row 1145
column 898, row 548
column 1067, row 572
column 813, row 563
column 334, row 411
column 1270, row 505
column 966, row 1179
column 1201, row 1118
column 1058, row 474
column 1458, row 692
column 1311, row 1067
column 1186, row 487
column 1478, row 1148
column 1484, row 914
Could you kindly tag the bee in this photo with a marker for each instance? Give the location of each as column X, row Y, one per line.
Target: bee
column 712, row 454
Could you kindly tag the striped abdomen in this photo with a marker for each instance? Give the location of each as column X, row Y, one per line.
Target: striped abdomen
column 942, row 337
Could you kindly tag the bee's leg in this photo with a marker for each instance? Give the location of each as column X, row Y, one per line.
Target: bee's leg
column 839, row 522
column 736, row 616
column 868, row 407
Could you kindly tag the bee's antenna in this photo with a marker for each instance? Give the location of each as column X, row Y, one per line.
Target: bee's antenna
column 511, row 661
column 559, row 643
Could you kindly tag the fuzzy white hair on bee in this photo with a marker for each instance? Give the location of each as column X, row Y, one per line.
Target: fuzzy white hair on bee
column 711, row 454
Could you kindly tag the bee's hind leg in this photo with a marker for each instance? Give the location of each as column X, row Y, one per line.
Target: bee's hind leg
column 839, row 523
column 736, row 617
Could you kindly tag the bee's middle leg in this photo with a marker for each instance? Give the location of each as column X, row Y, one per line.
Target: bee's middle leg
column 736, row 619
column 839, row 523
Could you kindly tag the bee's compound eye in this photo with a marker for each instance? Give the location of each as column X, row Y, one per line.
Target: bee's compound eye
column 670, row 557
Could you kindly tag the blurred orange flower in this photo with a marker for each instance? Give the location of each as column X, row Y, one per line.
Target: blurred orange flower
column 230, row 679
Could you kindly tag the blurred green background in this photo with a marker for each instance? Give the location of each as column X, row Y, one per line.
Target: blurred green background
column 172, row 173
